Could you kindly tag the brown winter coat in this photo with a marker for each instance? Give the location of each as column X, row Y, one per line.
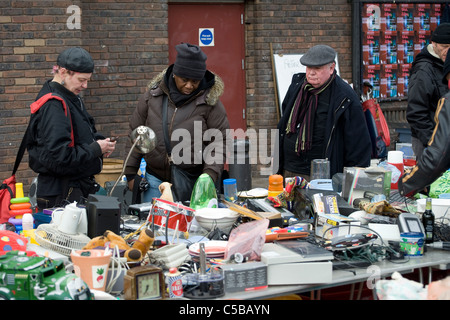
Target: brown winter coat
column 205, row 109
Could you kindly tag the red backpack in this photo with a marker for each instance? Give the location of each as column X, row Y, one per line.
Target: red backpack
column 35, row 106
column 380, row 121
column 8, row 187
column 7, row 192
column 378, row 128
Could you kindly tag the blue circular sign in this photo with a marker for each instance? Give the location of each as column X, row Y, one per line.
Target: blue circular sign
column 206, row 37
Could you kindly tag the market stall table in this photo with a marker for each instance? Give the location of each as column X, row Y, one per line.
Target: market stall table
column 433, row 258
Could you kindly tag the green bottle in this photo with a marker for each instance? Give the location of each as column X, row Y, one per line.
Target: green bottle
column 428, row 222
column 204, row 194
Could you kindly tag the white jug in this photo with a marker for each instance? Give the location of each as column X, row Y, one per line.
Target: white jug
column 68, row 219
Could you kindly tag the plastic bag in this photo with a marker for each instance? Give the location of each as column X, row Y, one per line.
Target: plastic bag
column 441, row 185
column 247, row 239
column 400, row 288
column 396, row 174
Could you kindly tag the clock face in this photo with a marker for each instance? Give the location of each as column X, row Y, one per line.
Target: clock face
column 148, row 286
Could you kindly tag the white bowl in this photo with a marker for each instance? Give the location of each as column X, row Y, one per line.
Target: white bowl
column 210, row 218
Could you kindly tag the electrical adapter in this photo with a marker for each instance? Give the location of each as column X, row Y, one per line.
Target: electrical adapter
column 396, row 255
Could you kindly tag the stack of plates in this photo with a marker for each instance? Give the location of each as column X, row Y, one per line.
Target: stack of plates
column 213, row 249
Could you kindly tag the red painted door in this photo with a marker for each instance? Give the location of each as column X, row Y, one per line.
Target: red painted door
column 219, row 30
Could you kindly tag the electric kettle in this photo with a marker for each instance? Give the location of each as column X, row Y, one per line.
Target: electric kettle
column 70, row 219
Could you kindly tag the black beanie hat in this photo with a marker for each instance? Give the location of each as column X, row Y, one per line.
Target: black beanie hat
column 446, row 69
column 76, row 59
column 190, row 62
column 441, row 34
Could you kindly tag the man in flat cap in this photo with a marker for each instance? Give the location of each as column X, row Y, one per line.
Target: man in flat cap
column 64, row 146
column 192, row 94
column 425, row 87
column 322, row 118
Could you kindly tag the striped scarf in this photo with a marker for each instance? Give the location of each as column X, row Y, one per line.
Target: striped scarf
column 303, row 112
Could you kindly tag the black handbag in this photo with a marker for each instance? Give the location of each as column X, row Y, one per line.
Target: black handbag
column 182, row 181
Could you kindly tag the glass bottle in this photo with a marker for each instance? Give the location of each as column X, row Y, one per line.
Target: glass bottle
column 428, row 222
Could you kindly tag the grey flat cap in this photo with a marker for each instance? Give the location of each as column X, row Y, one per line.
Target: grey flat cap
column 318, row 56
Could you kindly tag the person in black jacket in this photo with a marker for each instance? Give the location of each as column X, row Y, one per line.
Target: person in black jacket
column 435, row 159
column 322, row 118
column 64, row 146
column 425, row 87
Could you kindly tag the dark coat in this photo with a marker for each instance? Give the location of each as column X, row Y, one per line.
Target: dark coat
column 425, row 88
column 346, row 133
column 50, row 132
column 205, row 109
column 435, row 159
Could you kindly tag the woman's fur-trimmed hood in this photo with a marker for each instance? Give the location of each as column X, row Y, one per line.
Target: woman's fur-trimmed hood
column 212, row 96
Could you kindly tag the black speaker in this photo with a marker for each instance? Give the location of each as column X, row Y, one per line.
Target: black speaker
column 103, row 214
column 121, row 192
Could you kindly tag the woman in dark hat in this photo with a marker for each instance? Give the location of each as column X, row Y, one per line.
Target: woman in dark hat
column 64, row 146
column 193, row 108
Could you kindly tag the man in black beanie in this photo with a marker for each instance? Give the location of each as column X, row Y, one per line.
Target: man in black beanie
column 64, row 146
column 435, row 159
column 425, row 88
column 193, row 107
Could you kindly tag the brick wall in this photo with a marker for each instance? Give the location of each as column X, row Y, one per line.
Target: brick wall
column 31, row 35
column 129, row 44
column 128, row 41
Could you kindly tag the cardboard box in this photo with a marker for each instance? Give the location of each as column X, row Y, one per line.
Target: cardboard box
column 406, row 148
column 304, row 202
column 345, row 225
column 300, row 273
column 285, row 266
column 357, row 181
column 244, row 276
